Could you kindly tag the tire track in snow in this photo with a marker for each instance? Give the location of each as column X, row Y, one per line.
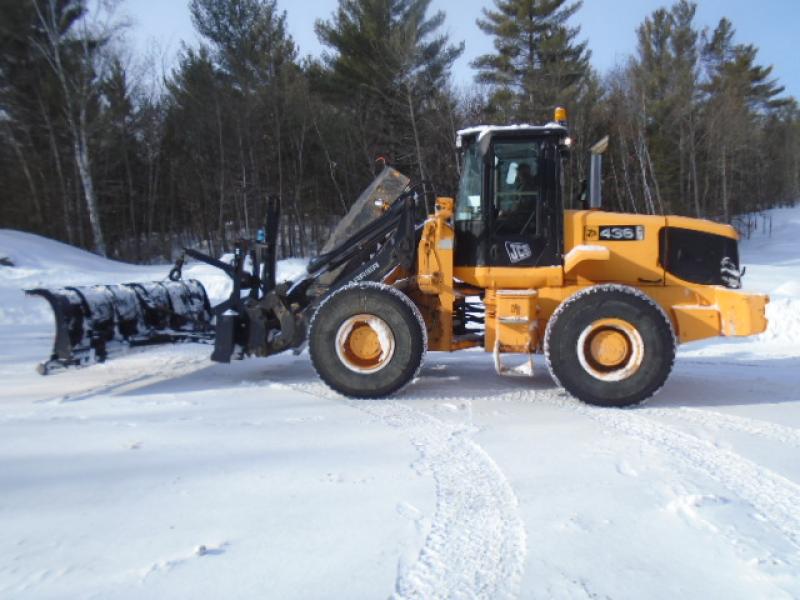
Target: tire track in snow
column 775, row 497
column 713, row 419
column 476, row 545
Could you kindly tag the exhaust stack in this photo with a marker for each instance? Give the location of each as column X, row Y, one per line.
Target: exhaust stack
column 596, row 174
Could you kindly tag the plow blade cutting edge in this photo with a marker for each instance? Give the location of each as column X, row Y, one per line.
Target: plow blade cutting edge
column 90, row 320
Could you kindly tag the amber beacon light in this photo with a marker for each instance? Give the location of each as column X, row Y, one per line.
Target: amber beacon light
column 560, row 115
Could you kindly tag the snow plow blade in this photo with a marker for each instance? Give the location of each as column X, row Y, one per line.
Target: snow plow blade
column 91, row 320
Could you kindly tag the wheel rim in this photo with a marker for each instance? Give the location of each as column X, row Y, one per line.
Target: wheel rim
column 610, row 349
column 365, row 343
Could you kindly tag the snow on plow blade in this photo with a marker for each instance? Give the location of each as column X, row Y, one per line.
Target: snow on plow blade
column 90, row 320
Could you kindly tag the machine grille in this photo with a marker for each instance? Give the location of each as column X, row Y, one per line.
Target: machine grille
column 700, row 257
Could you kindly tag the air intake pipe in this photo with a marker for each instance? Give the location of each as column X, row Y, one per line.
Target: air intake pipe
column 596, row 173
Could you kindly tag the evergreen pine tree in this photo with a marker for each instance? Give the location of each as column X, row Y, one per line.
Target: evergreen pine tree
column 740, row 93
column 665, row 74
column 253, row 58
column 388, row 65
column 249, row 38
column 538, row 62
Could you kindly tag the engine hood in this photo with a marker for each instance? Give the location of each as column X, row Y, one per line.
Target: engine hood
column 623, row 247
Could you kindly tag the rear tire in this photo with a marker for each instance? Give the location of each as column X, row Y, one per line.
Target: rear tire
column 367, row 340
column 610, row 345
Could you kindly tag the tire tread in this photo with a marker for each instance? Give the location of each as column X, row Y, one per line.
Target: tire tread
column 381, row 288
column 588, row 292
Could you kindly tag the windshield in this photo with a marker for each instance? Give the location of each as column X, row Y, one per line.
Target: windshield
column 468, row 202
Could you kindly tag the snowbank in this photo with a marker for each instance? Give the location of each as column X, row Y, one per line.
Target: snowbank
column 773, row 267
column 42, row 262
column 30, row 252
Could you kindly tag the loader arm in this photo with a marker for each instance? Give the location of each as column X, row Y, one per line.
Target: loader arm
column 373, row 251
column 275, row 317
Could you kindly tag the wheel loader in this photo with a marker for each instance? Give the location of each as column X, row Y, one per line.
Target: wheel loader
column 604, row 296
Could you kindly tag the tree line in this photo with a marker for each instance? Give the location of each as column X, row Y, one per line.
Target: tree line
column 99, row 152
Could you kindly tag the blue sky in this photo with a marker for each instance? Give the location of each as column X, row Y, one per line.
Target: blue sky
column 609, row 25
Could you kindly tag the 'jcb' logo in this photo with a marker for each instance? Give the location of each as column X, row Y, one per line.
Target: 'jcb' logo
column 591, row 234
column 518, row 251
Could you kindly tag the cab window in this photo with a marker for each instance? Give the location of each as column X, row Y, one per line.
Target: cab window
column 517, row 186
column 468, row 202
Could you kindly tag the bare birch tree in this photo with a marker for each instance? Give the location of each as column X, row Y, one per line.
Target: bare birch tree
column 78, row 81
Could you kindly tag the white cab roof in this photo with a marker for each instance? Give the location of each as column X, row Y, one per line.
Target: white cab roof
column 484, row 130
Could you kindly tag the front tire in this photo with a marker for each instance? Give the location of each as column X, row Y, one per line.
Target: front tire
column 367, row 340
column 610, row 345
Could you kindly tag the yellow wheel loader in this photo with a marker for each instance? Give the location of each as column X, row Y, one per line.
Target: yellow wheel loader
column 606, row 297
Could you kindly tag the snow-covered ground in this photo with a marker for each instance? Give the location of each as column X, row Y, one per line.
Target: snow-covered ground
column 162, row 475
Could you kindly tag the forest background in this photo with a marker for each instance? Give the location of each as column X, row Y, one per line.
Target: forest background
column 116, row 153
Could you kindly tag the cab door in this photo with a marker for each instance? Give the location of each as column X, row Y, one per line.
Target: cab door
column 521, row 194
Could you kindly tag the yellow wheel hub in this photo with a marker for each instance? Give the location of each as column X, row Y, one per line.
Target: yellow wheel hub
column 365, row 343
column 609, row 347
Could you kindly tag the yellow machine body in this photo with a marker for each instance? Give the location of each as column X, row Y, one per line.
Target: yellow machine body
column 520, row 300
column 604, row 296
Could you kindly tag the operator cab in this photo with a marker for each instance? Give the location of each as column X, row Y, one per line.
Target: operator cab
column 509, row 207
